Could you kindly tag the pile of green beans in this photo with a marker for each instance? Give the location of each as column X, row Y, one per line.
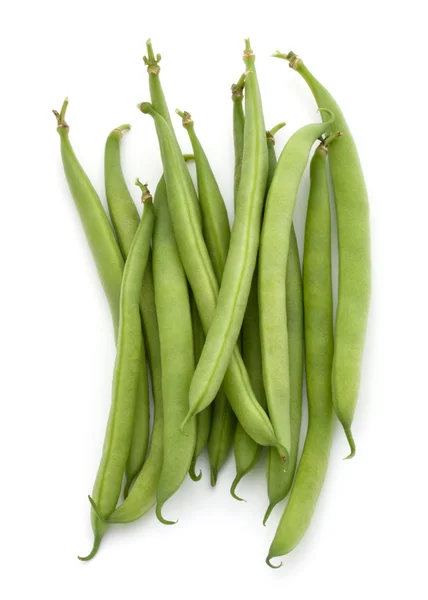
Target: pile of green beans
column 221, row 322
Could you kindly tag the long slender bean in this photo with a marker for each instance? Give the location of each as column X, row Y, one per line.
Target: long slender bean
column 126, row 378
column 274, row 246
column 176, row 342
column 125, row 219
column 318, row 305
column 247, row 451
column 279, row 482
column 216, row 231
column 353, row 229
column 241, row 259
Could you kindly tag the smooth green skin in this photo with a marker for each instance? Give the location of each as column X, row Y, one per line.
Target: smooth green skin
column 98, row 231
column 159, row 104
column 101, row 239
column 273, row 254
column 201, row 276
column 203, row 419
column 176, row 341
column 353, row 229
column 318, row 306
column 223, row 426
column 126, row 381
column 142, row 496
column 241, row 259
column 238, row 132
column 125, row 219
column 279, row 482
column 247, row 451
column 215, row 221
column 216, row 232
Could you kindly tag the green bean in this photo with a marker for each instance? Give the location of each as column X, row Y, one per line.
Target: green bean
column 279, row 482
column 217, row 236
column 247, row 451
column 238, row 131
column 241, row 259
column 203, row 419
column 353, row 228
column 124, row 216
column 176, row 342
column 142, row 495
column 201, row 276
column 318, row 305
column 126, row 377
column 215, row 221
column 158, row 101
column 98, row 231
column 274, row 246
column 100, row 236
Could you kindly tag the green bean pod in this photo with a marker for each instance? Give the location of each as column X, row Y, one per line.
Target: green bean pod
column 238, row 132
column 216, row 232
column 201, row 276
column 318, row 305
column 98, row 231
column 203, row 419
column 247, row 451
column 241, row 259
column 279, row 482
column 353, row 229
column 142, row 496
column 125, row 219
column 158, row 101
column 273, row 254
column 176, row 342
column 126, row 379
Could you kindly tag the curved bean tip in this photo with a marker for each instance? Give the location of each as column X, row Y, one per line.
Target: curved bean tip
column 233, row 489
column 160, row 517
column 192, row 472
column 268, row 559
column 95, row 548
column 351, row 442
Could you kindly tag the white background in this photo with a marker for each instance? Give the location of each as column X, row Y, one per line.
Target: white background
column 368, row 537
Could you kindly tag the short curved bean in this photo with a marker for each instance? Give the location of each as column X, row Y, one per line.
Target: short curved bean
column 201, row 276
column 353, row 229
column 241, row 259
column 125, row 219
column 176, row 342
column 203, row 419
column 247, row 451
column 216, row 231
column 318, row 305
column 126, row 379
column 274, row 246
